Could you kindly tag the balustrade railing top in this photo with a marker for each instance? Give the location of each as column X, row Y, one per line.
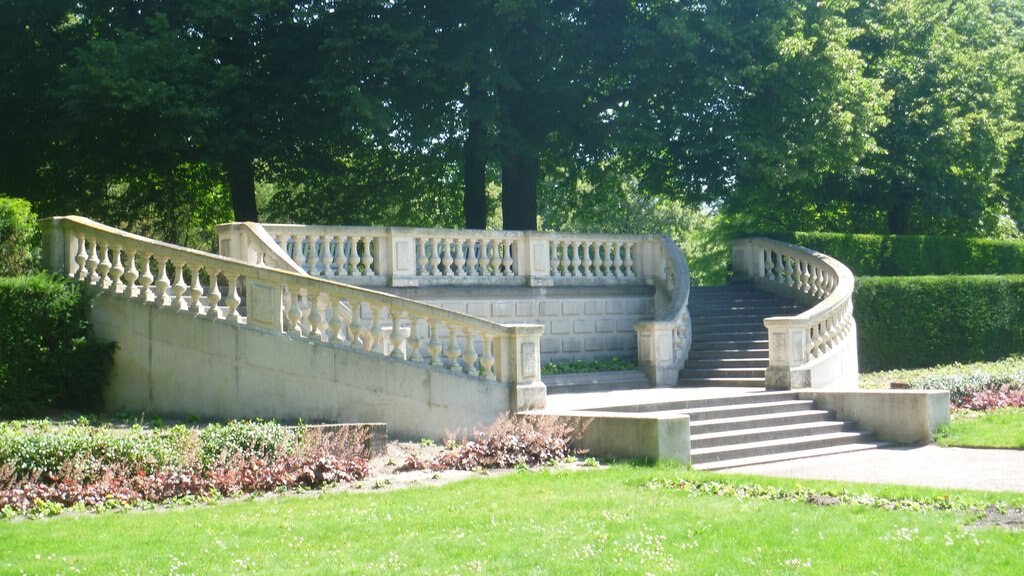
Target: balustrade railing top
column 818, row 347
column 425, row 256
column 223, row 289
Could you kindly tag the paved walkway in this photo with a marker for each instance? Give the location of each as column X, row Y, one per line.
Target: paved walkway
column 966, row 468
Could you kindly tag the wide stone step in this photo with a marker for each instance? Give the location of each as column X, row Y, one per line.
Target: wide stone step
column 745, row 327
column 699, row 310
column 785, row 456
column 746, row 422
column 729, row 337
column 734, row 410
column 729, row 319
column 743, row 382
column 720, row 353
column 769, row 447
column 595, row 381
column 730, row 372
column 727, row 361
column 704, row 403
column 765, row 433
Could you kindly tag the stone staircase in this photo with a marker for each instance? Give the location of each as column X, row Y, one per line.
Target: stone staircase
column 761, row 427
column 730, row 341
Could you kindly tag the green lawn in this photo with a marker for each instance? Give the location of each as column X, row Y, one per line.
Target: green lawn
column 621, row 520
column 997, row 429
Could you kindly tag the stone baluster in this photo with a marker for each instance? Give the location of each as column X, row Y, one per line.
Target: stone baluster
column 294, row 312
column 335, row 326
column 434, row 262
column 376, row 343
column 233, row 300
column 338, row 257
column 117, row 271
column 805, row 277
column 617, row 262
column 91, row 263
column 353, row 256
column 131, row 275
column 366, row 260
column 469, row 355
column 460, row 256
column 314, row 317
column 81, row 256
column 162, row 282
column 487, row 358
column 414, row 342
column 453, row 351
column 214, row 295
column 179, row 288
column 195, row 293
column 103, row 268
column 315, row 260
column 446, row 258
column 494, row 249
column 146, row 279
column 421, row 258
column 472, row 246
column 553, row 258
column 355, row 326
column 627, row 261
column 587, row 261
column 506, row 260
column 598, row 257
column 434, row 344
column 398, row 337
column 297, row 253
column 563, row 261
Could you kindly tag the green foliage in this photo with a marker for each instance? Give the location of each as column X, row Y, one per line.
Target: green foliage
column 583, row 366
column 928, row 320
column 911, row 255
column 19, row 237
column 249, row 438
column 997, row 429
column 47, row 358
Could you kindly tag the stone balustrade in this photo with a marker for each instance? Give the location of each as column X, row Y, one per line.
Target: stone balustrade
column 222, row 289
column 817, row 348
column 411, row 257
column 427, row 256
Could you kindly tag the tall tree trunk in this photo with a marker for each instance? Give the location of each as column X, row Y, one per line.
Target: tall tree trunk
column 899, row 216
column 520, row 173
column 474, row 167
column 242, row 182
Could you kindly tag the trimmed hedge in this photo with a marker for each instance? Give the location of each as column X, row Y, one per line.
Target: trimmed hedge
column 47, row 360
column 928, row 320
column 19, row 237
column 880, row 255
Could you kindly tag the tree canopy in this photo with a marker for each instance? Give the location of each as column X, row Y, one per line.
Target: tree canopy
column 165, row 116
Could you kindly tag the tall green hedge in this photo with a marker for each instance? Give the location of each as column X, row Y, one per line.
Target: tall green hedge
column 19, row 237
column 879, row 255
column 928, row 320
column 47, row 359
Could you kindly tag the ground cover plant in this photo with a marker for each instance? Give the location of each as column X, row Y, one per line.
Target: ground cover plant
column 620, row 520
column 582, row 366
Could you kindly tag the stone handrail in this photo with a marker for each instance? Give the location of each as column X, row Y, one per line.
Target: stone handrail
column 396, row 256
column 222, row 289
column 817, row 348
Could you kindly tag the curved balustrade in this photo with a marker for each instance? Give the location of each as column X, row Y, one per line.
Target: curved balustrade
column 227, row 290
column 816, row 348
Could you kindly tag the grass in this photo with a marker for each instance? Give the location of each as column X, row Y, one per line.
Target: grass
column 997, row 429
column 622, row 520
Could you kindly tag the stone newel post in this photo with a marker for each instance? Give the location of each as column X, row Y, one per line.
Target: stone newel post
column 517, row 363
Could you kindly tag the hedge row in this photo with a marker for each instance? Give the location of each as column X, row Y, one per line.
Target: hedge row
column 928, row 320
column 19, row 237
column 47, row 359
column 878, row 255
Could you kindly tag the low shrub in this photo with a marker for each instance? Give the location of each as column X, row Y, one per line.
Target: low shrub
column 48, row 359
column 908, row 255
column 19, row 237
column 930, row 320
column 46, row 467
column 512, row 441
column 582, row 366
column 993, row 399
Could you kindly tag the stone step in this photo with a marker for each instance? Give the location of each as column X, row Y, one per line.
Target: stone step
column 729, row 319
column 745, row 327
column 765, row 433
column 731, row 337
column 727, row 361
column 733, row 410
column 785, row 456
column 729, row 373
column 705, row 403
column 703, row 310
column 721, row 382
column 744, row 422
column 720, row 353
column 769, row 447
